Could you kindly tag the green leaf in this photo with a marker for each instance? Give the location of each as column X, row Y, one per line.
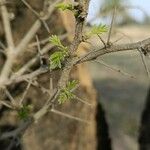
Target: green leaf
column 66, row 93
column 58, row 57
column 72, row 84
column 54, row 39
column 65, row 6
column 97, row 30
column 24, row 111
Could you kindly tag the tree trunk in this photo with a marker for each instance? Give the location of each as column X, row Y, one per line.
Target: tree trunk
column 103, row 137
column 144, row 136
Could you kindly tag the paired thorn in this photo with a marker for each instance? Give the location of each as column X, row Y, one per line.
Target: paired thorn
column 111, row 26
column 144, row 62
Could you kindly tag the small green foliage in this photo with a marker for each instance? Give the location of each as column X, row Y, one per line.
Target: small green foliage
column 64, row 96
column 72, row 84
column 54, row 39
column 66, row 93
column 23, row 112
column 65, row 6
column 58, row 57
column 97, row 30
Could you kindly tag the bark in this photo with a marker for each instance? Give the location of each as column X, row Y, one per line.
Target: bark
column 103, row 137
column 144, row 136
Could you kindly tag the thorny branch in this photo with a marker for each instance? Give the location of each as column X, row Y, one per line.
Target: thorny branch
column 7, row 79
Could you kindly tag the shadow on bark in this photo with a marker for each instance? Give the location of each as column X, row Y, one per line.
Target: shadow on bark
column 144, row 133
column 103, row 138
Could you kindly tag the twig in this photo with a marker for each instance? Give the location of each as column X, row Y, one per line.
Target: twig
column 25, row 93
column 92, row 55
column 39, row 50
column 30, row 7
column 7, row 26
column 37, row 15
column 6, row 104
column 10, row 97
column 102, row 40
column 44, row 41
column 44, row 50
column 111, row 26
column 144, row 63
column 51, row 86
column 46, row 26
column 115, row 69
column 36, row 84
column 83, row 101
column 28, row 37
column 10, row 43
column 69, row 116
column 25, row 77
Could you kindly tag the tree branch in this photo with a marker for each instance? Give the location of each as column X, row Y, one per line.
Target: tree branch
column 113, row 48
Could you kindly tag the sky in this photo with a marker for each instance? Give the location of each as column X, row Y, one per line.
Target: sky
column 136, row 13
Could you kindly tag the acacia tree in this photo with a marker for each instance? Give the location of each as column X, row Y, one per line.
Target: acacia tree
column 33, row 72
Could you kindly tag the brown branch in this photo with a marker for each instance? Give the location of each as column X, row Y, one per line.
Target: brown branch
column 10, row 43
column 25, row 77
column 7, row 26
column 7, row 68
column 12, row 100
column 31, row 62
column 25, row 93
column 113, row 48
column 69, row 116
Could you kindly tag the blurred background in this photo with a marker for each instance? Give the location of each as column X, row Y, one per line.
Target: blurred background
column 122, row 96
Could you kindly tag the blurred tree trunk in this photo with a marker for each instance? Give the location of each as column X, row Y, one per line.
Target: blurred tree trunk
column 144, row 136
column 103, row 137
